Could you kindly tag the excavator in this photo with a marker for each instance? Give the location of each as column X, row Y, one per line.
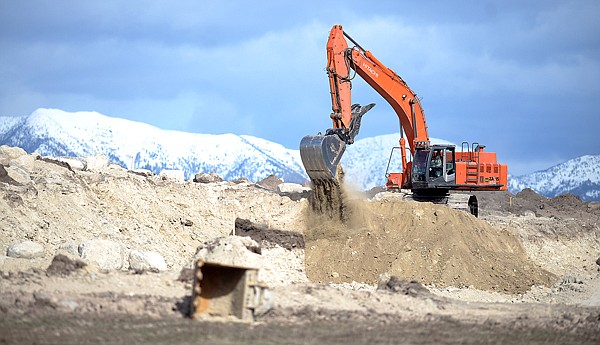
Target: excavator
column 436, row 173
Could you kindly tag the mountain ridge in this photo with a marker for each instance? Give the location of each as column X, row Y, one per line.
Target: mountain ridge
column 579, row 176
column 136, row 145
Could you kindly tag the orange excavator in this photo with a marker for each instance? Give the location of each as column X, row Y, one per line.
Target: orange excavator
column 434, row 173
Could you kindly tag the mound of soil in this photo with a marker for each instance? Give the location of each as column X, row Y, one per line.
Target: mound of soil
column 62, row 265
column 270, row 182
column 566, row 206
column 428, row 243
column 62, row 208
column 261, row 234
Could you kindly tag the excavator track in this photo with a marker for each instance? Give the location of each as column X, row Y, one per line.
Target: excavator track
column 458, row 201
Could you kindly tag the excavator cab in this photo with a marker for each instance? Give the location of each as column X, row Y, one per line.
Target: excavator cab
column 434, row 168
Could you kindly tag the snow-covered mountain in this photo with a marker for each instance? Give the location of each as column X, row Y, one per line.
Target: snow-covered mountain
column 580, row 176
column 136, row 145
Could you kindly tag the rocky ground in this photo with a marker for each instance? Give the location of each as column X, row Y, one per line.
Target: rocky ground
column 97, row 254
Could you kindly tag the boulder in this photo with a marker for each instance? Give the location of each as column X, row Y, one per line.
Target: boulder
column 75, row 163
column 141, row 261
column 232, row 251
column 270, row 182
column 25, row 162
column 106, row 254
column 176, row 175
column 242, row 180
column 96, row 163
column 25, row 250
column 207, row 178
column 287, row 187
column 9, row 153
column 142, row 172
column 18, row 174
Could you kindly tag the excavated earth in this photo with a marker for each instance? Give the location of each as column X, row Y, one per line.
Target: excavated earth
column 422, row 242
column 526, row 271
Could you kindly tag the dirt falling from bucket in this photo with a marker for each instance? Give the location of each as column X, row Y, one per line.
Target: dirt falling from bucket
column 328, row 198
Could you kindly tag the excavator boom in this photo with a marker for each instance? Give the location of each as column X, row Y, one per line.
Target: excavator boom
column 321, row 153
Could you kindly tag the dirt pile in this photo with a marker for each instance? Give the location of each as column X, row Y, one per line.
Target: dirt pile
column 62, row 265
column 61, row 208
column 527, row 201
column 428, row 243
column 64, row 209
column 562, row 234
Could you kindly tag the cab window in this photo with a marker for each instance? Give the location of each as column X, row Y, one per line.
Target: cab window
column 436, row 167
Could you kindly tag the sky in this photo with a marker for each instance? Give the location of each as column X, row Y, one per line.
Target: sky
column 521, row 77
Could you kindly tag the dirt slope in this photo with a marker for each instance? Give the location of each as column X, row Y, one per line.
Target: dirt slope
column 419, row 241
column 60, row 208
column 478, row 266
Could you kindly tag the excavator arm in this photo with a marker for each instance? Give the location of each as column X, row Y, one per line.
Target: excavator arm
column 394, row 90
column 321, row 154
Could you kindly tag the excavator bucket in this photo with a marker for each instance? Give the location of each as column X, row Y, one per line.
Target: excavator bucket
column 321, row 155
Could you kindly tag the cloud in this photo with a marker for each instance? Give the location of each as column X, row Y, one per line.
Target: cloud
column 498, row 73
